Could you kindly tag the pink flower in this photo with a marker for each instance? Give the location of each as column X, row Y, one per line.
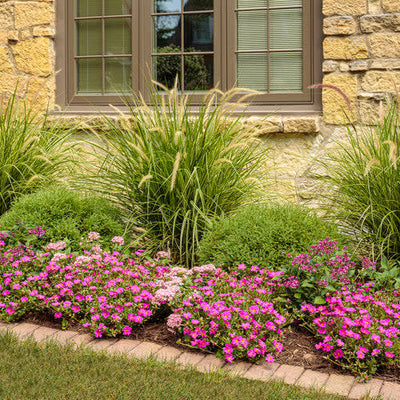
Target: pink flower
column 269, row 358
column 57, row 315
column 118, row 240
column 126, row 330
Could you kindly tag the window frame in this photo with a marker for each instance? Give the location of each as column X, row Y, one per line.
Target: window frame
column 309, row 101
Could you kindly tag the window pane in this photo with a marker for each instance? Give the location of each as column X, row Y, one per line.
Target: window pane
column 286, row 29
column 286, row 3
column 118, row 32
column 88, row 37
column 199, row 32
column 88, row 8
column 251, row 3
column 117, row 7
column 118, row 75
column 286, row 72
column 164, row 6
column 252, row 71
column 198, row 5
column 167, row 32
column 199, row 74
column 166, row 69
column 252, row 30
column 89, row 76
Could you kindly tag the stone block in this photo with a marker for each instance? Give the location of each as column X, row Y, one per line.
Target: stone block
column 288, row 373
column 312, row 379
column 261, row 372
column 330, row 66
column 335, row 108
column 64, row 337
column 123, row 346
column 385, row 45
column 47, row 31
column 385, row 64
column 374, row 7
column 381, row 81
column 391, row 6
column 13, row 36
column 190, row 359
column 43, row 333
column 359, row 66
column 376, row 23
column 5, row 63
column 101, row 344
column 301, row 125
column 345, row 7
column 390, row 391
column 340, row 25
column 345, row 48
column 145, row 350
column 237, row 369
column 168, row 353
column 24, row 329
column 210, row 363
column 81, row 339
column 339, row 384
column 6, row 16
column 33, row 13
column 32, row 56
column 363, row 390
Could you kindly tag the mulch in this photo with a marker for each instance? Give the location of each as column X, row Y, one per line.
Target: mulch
column 299, row 345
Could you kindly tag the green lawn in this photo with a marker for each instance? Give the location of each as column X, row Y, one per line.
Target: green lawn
column 31, row 371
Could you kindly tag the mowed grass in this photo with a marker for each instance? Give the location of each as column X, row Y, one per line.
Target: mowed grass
column 51, row 371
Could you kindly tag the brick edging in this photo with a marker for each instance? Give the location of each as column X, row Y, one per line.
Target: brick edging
column 343, row 385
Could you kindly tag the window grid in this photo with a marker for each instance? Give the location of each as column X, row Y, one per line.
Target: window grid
column 268, row 50
column 103, row 56
column 182, row 53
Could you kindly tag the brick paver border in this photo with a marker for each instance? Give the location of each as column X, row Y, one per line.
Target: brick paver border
column 344, row 385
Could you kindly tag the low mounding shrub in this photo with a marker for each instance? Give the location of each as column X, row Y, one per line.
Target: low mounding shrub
column 359, row 328
column 32, row 155
column 238, row 316
column 321, row 270
column 263, row 234
column 67, row 215
column 364, row 174
column 173, row 171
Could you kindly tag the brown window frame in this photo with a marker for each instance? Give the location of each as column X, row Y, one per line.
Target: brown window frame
column 224, row 59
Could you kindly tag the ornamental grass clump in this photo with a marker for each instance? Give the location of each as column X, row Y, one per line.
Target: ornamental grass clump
column 172, row 169
column 365, row 175
column 359, row 329
column 238, row 315
column 33, row 154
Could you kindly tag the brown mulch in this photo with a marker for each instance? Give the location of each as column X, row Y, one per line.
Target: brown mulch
column 299, row 345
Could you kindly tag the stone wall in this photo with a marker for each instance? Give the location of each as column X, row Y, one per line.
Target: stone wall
column 361, row 52
column 27, row 58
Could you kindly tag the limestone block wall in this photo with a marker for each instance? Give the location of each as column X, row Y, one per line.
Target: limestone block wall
column 27, row 59
column 361, row 56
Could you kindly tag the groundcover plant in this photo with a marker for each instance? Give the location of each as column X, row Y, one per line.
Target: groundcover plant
column 242, row 314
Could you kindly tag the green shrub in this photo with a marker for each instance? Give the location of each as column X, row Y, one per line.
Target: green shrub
column 64, row 214
column 174, row 171
column 365, row 175
column 262, row 235
column 32, row 155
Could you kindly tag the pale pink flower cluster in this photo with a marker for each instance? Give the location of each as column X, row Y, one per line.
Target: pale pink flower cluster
column 58, row 257
column 93, row 236
column 174, row 321
column 56, row 246
column 118, row 240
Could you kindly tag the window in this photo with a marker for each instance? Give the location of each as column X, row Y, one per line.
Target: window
column 108, row 47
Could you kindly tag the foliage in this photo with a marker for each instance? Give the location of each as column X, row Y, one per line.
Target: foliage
column 172, row 171
column 365, row 175
column 32, row 155
column 385, row 277
column 238, row 316
column 321, row 270
column 263, row 234
column 67, row 215
column 359, row 328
